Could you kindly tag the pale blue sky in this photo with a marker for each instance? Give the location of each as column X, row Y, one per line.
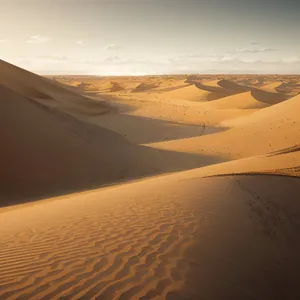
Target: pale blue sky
column 115, row 37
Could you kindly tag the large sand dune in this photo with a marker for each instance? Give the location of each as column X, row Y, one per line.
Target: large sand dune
column 46, row 91
column 241, row 100
column 230, row 237
column 46, row 152
column 226, row 227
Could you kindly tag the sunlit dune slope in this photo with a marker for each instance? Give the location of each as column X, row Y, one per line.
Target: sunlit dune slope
column 269, row 129
column 241, row 100
column 271, row 87
column 150, row 239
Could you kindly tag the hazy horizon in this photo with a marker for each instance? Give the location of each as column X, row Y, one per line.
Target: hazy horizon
column 151, row 37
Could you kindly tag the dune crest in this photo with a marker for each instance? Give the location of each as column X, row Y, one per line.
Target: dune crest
column 47, row 92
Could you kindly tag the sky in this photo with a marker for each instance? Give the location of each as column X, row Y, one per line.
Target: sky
column 139, row 37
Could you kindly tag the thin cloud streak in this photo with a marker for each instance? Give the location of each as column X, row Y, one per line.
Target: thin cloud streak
column 38, row 39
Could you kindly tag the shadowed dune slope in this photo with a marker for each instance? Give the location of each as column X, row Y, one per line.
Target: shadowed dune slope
column 47, row 152
column 268, row 97
column 230, row 85
column 46, row 91
column 214, row 238
column 142, row 87
column 44, row 151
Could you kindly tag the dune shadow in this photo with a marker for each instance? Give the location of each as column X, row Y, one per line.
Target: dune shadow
column 144, row 87
column 46, row 152
column 140, row 163
column 219, row 92
column 172, row 88
column 268, row 97
column 142, row 130
column 112, row 101
column 209, row 88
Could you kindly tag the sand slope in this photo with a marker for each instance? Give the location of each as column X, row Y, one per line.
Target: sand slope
column 241, row 101
column 62, row 154
column 190, row 93
column 44, row 151
column 144, row 240
column 270, row 129
column 46, row 91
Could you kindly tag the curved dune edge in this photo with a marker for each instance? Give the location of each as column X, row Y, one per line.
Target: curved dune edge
column 271, row 87
column 196, row 92
column 243, row 100
column 142, row 239
column 231, row 85
column 48, row 92
column 256, row 134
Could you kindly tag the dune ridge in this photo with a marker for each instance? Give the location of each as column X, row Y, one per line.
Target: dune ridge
column 47, row 92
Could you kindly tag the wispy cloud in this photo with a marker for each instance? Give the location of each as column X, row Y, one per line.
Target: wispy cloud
column 112, row 58
column 254, row 50
column 58, row 58
column 79, row 42
column 3, row 40
column 38, row 39
column 110, row 47
column 254, row 43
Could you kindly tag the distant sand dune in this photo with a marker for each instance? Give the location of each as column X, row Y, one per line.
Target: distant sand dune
column 227, row 84
column 268, row 97
column 116, row 87
column 269, row 129
column 242, row 101
column 271, row 87
column 143, row 87
column 198, row 92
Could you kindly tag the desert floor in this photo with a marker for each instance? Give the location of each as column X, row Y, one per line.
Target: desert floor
column 154, row 187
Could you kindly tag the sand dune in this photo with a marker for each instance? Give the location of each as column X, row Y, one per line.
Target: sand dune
column 226, row 227
column 116, row 87
column 62, row 154
column 201, row 92
column 268, row 97
column 190, row 93
column 168, row 245
column 46, row 151
column 143, row 87
column 241, row 101
column 269, row 129
column 230, row 85
column 47, row 92
column 271, row 87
